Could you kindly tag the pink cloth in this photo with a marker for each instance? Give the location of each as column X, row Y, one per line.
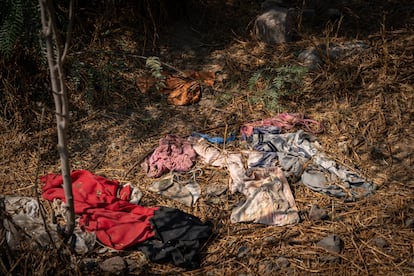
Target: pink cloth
column 173, row 154
column 285, row 121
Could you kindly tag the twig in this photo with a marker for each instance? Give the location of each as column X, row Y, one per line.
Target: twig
column 35, row 183
column 136, row 56
column 359, row 253
column 68, row 33
column 140, row 160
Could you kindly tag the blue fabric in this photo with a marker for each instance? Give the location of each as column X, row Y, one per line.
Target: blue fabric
column 214, row 140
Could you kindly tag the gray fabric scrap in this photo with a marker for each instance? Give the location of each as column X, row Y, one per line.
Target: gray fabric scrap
column 171, row 187
column 26, row 224
column 316, row 181
column 299, row 156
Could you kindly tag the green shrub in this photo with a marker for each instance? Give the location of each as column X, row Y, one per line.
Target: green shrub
column 270, row 84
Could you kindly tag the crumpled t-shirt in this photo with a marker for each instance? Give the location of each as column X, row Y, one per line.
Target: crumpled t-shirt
column 173, row 154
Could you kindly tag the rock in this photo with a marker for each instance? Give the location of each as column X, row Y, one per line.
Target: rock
column 275, row 25
column 88, row 263
column 317, row 213
column 380, row 242
column 137, row 264
column 331, row 243
column 330, row 259
column 411, row 261
column 242, row 252
column 409, row 222
column 314, row 57
column 310, row 58
column 114, row 266
column 269, row 240
column 282, row 262
column 267, row 268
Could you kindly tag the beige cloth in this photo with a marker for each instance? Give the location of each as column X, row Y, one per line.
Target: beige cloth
column 269, row 199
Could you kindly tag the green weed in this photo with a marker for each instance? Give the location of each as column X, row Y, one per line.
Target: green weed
column 270, row 84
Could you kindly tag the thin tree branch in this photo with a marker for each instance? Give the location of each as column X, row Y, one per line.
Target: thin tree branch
column 68, row 33
column 59, row 92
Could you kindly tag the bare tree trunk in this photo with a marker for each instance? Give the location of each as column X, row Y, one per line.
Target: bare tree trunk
column 55, row 59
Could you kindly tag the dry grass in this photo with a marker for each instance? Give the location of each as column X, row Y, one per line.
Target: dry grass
column 365, row 102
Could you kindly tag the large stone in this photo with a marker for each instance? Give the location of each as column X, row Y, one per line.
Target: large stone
column 314, row 57
column 275, row 25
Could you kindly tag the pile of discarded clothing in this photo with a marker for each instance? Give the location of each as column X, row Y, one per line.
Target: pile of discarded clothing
column 163, row 234
column 272, row 156
column 107, row 214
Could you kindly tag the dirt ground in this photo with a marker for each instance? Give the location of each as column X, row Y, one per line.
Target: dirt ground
column 364, row 100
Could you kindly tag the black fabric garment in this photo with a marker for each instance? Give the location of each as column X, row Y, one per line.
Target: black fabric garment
column 178, row 238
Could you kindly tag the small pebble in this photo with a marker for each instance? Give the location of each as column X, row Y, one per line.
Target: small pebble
column 409, row 222
column 267, row 267
column 331, row 243
column 330, row 259
column 380, row 242
column 317, row 213
column 242, row 252
column 88, row 263
column 114, row 266
column 269, row 240
column 282, row 262
column 411, row 261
